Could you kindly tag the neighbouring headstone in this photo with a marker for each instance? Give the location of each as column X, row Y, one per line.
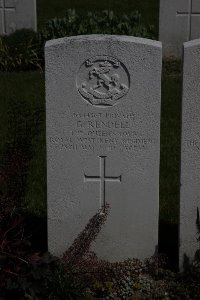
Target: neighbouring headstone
column 190, row 153
column 17, row 14
column 179, row 23
column 103, row 125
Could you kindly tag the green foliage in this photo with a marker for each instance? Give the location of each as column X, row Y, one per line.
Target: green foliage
column 26, row 274
column 190, row 282
column 20, row 51
column 37, row 277
column 24, row 49
column 62, row 287
column 103, row 22
column 48, row 9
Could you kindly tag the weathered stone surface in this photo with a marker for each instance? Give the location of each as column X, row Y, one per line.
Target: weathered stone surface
column 103, row 127
column 190, row 151
column 17, row 14
column 179, row 23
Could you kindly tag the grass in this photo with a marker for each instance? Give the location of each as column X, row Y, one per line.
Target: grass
column 22, row 103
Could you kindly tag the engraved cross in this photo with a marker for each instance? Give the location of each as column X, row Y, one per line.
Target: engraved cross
column 102, row 179
column 4, row 9
column 189, row 14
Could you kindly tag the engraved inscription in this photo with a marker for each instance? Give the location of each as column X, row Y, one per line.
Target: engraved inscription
column 102, row 179
column 103, row 80
column 104, row 131
column 192, row 144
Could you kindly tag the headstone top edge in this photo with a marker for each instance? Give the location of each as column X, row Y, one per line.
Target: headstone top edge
column 104, row 37
column 192, row 43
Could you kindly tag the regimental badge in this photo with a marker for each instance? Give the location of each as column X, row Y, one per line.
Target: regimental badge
column 103, row 80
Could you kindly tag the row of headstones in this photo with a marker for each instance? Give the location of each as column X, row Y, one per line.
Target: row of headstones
column 103, row 145
column 179, row 21
column 115, row 129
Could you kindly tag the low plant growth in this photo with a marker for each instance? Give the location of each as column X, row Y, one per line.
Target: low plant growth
column 26, row 272
column 20, row 51
column 24, row 49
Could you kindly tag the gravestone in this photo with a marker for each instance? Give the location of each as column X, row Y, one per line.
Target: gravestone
column 190, row 153
column 17, row 14
column 179, row 23
column 103, row 127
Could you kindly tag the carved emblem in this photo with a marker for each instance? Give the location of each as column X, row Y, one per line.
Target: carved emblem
column 103, row 80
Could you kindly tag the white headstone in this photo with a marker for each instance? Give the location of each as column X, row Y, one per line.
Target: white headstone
column 17, row 14
column 190, row 153
column 179, row 23
column 103, row 126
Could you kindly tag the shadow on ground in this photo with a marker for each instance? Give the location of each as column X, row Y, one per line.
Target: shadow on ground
column 168, row 243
